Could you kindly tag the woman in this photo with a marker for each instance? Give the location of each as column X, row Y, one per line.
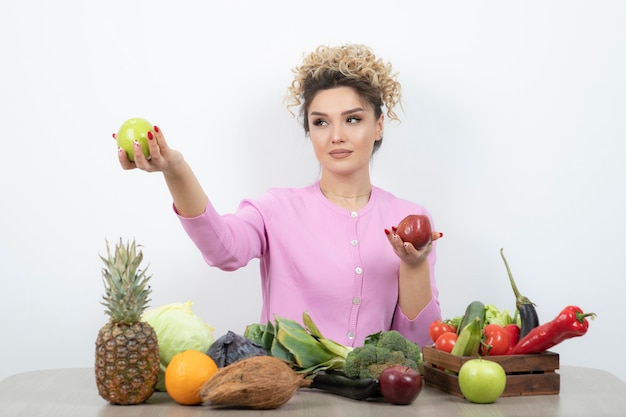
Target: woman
column 326, row 248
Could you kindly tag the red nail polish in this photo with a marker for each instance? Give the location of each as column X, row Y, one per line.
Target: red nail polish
column 440, row 234
column 114, row 135
column 387, row 231
column 156, row 129
column 150, row 135
column 394, row 228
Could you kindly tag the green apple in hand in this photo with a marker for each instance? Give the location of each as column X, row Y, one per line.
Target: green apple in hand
column 135, row 129
column 482, row 381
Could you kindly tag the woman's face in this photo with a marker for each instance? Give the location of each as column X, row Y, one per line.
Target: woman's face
column 343, row 130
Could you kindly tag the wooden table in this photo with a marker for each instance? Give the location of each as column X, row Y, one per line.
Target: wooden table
column 72, row 393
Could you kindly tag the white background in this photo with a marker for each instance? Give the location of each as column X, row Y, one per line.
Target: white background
column 513, row 136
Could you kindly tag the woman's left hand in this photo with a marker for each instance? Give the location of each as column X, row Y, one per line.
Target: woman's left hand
column 406, row 251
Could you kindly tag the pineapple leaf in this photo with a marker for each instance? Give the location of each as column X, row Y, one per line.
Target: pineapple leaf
column 126, row 286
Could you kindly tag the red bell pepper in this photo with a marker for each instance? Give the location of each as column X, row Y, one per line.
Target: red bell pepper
column 514, row 332
column 571, row 322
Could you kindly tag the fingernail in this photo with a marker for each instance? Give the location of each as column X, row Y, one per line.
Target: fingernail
column 150, row 135
column 156, row 129
column 136, row 144
column 440, row 234
column 394, row 228
column 387, row 231
column 114, row 135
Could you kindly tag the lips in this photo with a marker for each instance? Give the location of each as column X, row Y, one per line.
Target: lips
column 340, row 153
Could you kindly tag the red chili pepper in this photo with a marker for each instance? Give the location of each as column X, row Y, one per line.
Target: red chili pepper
column 571, row 322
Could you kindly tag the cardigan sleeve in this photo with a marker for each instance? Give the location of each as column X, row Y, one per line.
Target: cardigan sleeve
column 228, row 241
column 416, row 330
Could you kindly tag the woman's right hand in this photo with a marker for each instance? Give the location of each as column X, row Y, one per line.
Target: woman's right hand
column 189, row 198
column 162, row 157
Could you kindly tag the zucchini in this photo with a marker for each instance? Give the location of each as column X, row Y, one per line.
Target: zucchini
column 473, row 310
column 468, row 342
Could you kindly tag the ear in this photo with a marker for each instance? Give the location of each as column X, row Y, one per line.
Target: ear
column 379, row 127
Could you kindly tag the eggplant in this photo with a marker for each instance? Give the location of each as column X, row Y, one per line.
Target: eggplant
column 527, row 311
column 339, row 384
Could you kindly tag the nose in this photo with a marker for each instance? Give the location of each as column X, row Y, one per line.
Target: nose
column 337, row 135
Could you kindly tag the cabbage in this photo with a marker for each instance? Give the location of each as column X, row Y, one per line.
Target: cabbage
column 231, row 347
column 177, row 329
column 494, row 315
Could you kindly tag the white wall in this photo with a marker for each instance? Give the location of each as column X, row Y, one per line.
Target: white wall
column 513, row 136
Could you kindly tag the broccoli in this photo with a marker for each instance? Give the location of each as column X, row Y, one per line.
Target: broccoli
column 379, row 351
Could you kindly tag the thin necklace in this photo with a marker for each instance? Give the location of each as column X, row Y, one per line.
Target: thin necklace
column 345, row 196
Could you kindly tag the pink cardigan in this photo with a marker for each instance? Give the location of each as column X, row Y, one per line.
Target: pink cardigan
column 320, row 258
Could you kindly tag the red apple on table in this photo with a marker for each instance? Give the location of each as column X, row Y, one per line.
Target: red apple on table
column 415, row 228
column 400, row 384
column 135, row 129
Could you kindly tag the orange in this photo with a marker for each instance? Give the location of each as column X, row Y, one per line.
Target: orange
column 186, row 374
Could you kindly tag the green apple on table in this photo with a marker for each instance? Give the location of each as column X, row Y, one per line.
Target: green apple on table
column 482, row 381
column 135, row 129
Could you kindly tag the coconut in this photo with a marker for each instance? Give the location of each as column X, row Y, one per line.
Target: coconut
column 259, row 382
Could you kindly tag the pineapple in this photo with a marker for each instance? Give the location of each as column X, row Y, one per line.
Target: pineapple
column 127, row 352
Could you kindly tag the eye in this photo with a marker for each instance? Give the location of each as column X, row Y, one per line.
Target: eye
column 353, row 119
column 319, row 122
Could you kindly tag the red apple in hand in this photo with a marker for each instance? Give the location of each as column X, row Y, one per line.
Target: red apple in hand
column 415, row 228
column 400, row 384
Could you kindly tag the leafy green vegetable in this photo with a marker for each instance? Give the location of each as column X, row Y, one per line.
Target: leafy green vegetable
column 303, row 347
column 178, row 329
column 455, row 321
column 495, row 316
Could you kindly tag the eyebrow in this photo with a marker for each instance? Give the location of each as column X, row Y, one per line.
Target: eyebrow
column 343, row 113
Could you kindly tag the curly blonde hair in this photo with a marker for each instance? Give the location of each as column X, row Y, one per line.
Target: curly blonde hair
column 351, row 65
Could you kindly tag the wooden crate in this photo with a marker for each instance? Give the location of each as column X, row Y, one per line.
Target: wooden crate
column 525, row 374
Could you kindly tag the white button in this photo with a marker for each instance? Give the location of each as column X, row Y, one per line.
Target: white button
column 354, row 214
column 356, row 301
column 358, row 270
column 354, row 242
column 350, row 335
